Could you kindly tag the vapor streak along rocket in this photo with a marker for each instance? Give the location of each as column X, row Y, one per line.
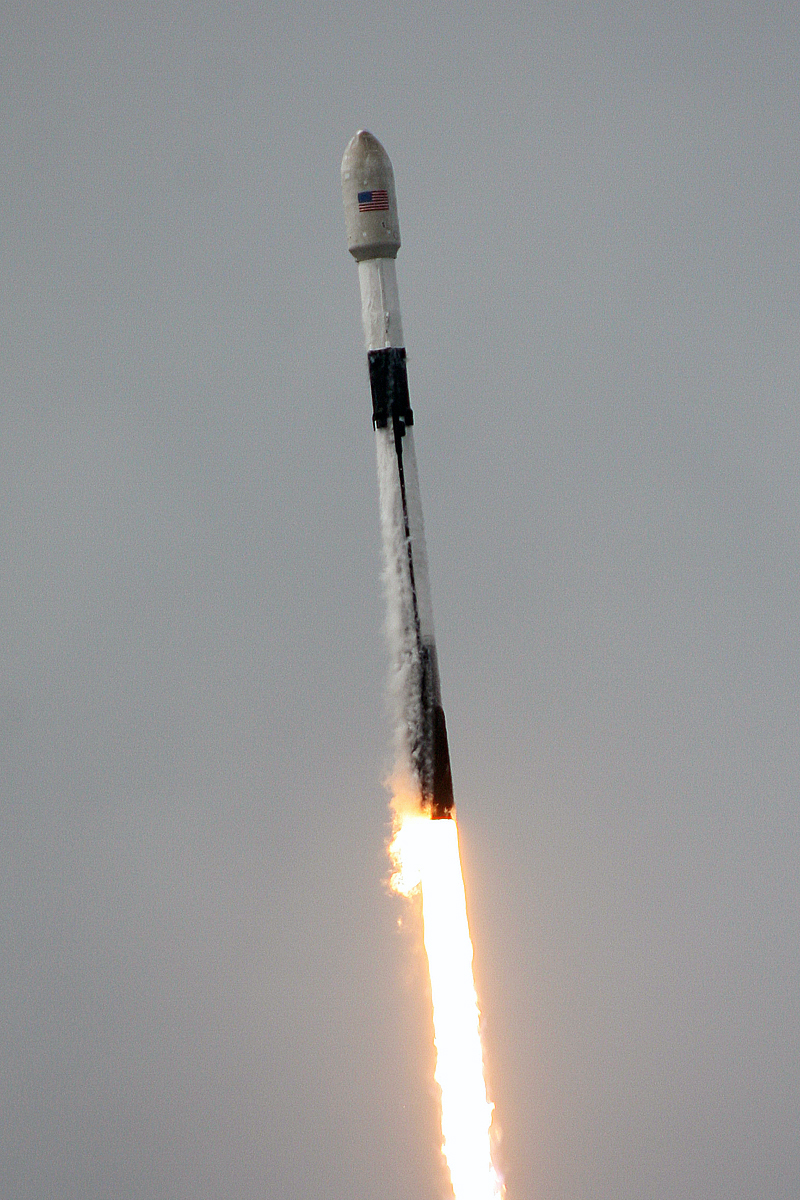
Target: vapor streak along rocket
column 373, row 238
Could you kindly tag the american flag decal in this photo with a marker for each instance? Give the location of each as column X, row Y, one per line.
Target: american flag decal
column 374, row 201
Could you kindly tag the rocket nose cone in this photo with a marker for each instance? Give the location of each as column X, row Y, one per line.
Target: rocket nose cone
column 370, row 204
column 364, row 153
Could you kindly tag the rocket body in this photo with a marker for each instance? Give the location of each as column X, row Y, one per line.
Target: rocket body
column 373, row 236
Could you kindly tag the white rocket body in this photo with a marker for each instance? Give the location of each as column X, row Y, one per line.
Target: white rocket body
column 373, row 238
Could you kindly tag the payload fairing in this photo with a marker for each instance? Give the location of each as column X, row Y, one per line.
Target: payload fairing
column 373, row 238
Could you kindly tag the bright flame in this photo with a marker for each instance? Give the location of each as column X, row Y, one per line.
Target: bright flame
column 425, row 855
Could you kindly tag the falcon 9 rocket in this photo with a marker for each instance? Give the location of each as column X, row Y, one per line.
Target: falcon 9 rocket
column 373, row 238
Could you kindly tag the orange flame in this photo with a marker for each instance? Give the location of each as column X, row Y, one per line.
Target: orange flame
column 425, row 856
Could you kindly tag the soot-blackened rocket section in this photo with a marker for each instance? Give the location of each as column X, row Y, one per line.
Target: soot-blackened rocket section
column 388, row 381
column 373, row 235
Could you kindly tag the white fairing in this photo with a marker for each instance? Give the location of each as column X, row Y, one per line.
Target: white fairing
column 370, row 203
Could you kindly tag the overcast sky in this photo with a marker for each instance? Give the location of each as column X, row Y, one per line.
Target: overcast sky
column 204, row 988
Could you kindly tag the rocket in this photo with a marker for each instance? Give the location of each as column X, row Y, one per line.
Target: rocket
column 373, row 238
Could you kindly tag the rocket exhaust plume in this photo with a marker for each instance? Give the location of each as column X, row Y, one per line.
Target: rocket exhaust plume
column 424, row 851
column 425, row 855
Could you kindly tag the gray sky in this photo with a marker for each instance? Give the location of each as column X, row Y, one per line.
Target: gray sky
column 204, row 991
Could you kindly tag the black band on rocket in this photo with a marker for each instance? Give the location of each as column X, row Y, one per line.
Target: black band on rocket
column 389, row 383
